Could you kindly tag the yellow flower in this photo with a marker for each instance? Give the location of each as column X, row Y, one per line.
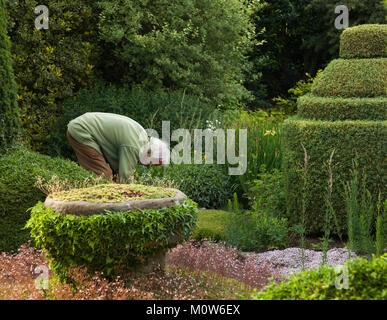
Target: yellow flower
column 271, row 132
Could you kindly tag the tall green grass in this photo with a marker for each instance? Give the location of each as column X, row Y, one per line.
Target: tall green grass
column 366, row 231
column 263, row 142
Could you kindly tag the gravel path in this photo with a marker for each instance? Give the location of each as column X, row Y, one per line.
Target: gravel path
column 289, row 260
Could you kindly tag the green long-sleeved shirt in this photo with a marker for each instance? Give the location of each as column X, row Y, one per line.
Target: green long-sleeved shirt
column 117, row 138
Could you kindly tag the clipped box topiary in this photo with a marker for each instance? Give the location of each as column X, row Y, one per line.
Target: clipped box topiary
column 349, row 78
column 336, row 109
column 364, row 41
column 345, row 113
column 111, row 228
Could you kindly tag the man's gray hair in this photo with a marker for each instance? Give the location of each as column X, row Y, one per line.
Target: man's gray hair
column 155, row 151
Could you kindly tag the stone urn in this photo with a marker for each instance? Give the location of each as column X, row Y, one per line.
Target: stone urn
column 118, row 198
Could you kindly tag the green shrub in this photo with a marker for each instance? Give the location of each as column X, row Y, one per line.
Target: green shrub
column 50, row 64
column 149, row 108
column 333, row 108
column 9, row 121
column 365, row 141
column 365, row 41
column 211, row 225
column 19, row 170
column 256, row 230
column 267, row 192
column 353, row 78
column 195, row 45
column 208, row 185
column 366, row 281
column 110, row 241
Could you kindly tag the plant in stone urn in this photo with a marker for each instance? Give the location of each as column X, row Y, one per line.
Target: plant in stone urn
column 111, row 227
column 346, row 111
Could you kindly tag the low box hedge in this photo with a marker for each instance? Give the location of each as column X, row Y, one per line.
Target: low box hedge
column 19, row 170
column 332, row 109
column 358, row 279
column 349, row 78
column 364, row 41
column 111, row 241
column 365, row 141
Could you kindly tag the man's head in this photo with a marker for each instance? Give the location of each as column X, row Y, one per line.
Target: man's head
column 156, row 152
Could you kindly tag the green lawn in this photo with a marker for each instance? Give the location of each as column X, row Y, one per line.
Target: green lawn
column 211, row 225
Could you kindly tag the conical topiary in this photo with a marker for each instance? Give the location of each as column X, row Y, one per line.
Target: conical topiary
column 345, row 112
column 9, row 113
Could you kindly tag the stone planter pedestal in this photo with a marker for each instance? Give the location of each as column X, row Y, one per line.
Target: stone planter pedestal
column 84, row 208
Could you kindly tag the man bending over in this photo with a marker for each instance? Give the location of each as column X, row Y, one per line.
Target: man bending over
column 110, row 144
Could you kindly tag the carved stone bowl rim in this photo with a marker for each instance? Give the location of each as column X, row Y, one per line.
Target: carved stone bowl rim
column 86, row 208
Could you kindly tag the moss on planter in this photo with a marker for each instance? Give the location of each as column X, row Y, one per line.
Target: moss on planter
column 113, row 193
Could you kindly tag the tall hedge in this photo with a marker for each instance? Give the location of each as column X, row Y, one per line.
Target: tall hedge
column 9, row 114
column 51, row 64
column 345, row 113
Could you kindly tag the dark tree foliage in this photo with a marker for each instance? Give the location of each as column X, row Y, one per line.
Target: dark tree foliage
column 280, row 24
column 9, row 116
column 299, row 36
column 321, row 43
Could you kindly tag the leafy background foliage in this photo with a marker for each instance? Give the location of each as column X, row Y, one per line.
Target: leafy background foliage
column 195, row 45
column 9, row 121
column 51, row 64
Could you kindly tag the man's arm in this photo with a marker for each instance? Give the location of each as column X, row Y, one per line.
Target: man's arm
column 127, row 162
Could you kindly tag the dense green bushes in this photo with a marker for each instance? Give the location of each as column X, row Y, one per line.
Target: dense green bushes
column 256, row 230
column 365, row 41
column 366, row 281
column 195, row 45
column 19, row 169
column 365, row 141
column 107, row 242
column 9, row 121
column 353, row 78
column 149, row 108
column 266, row 193
column 208, row 185
column 333, row 108
column 50, row 64
column 264, row 225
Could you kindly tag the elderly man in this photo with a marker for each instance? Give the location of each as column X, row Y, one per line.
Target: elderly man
column 110, row 144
